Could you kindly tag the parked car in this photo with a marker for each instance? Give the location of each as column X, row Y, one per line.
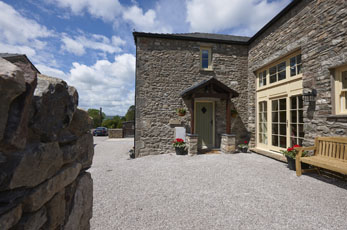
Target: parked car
column 100, row 131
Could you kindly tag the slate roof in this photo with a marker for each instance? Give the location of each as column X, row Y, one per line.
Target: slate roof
column 207, row 37
column 209, row 81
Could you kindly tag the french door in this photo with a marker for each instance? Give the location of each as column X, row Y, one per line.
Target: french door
column 286, row 122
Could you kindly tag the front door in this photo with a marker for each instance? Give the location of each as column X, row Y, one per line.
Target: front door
column 204, row 124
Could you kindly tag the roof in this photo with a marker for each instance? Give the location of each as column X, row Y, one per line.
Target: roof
column 219, row 38
column 208, row 37
column 202, row 84
column 14, row 57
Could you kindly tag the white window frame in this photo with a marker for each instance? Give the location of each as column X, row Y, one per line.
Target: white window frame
column 209, row 68
column 340, row 101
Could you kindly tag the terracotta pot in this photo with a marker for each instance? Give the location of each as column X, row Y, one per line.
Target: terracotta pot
column 181, row 114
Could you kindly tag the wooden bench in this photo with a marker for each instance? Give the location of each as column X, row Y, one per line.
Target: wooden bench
column 329, row 153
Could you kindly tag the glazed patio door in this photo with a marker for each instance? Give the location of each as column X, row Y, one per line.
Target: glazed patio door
column 279, row 124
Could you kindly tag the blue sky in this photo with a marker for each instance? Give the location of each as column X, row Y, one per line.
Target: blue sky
column 89, row 43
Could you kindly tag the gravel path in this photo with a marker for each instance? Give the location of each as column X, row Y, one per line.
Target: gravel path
column 239, row 191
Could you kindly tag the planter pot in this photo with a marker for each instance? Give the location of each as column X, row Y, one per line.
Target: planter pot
column 180, row 151
column 291, row 164
column 234, row 115
column 181, row 114
column 244, row 150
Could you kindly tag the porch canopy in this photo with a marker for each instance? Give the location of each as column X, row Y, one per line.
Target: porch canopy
column 210, row 88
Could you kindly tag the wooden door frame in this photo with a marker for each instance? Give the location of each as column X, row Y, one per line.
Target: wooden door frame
column 213, row 117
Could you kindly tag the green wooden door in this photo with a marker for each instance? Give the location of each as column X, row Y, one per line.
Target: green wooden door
column 204, row 123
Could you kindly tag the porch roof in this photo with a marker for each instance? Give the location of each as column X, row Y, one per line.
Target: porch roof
column 217, row 85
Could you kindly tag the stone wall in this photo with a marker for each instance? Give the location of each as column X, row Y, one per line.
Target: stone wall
column 166, row 67
column 115, row 133
column 319, row 29
column 45, row 149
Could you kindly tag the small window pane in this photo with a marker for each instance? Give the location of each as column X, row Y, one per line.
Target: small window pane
column 344, row 80
column 301, row 116
column 293, row 116
column 274, row 140
column 204, row 63
column 293, row 104
column 292, row 71
column 275, row 105
column 261, row 138
column 283, row 104
column 293, row 129
column 292, row 61
column 282, row 75
column 204, row 53
column 283, row 142
column 301, row 131
column 298, row 59
column 283, row 129
column 283, row 117
column 272, row 70
column 260, row 81
column 282, row 66
column 301, row 105
column 299, row 68
column 273, row 78
column 274, row 116
column 274, row 129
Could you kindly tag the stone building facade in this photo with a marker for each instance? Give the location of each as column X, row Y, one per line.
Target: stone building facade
column 301, row 51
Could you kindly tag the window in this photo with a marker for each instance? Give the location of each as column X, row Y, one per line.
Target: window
column 262, row 78
column 279, row 123
column 263, row 122
column 295, row 65
column 278, row 72
column 341, row 91
column 296, row 120
column 283, row 69
column 205, row 58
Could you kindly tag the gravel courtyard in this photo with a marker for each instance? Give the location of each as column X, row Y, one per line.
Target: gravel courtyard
column 239, row 191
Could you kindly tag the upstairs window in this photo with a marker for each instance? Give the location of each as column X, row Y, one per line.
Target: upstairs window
column 341, row 91
column 295, row 65
column 205, row 58
column 262, row 78
column 278, row 72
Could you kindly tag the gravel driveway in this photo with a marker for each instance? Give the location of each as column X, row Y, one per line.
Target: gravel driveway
column 239, row 191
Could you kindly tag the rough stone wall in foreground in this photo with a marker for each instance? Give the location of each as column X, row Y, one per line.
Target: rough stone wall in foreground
column 166, row 67
column 45, row 149
column 319, row 29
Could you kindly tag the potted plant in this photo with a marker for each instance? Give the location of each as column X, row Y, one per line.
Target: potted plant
column 290, row 154
column 233, row 113
column 181, row 111
column 243, row 147
column 180, row 146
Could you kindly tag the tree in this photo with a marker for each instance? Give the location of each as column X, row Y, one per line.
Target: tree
column 130, row 115
column 115, row 122
column 95, row 114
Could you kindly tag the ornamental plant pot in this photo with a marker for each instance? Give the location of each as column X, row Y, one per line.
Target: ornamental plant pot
column 244, row 150
column 180, row 151
column 291, row 164
column 181, row 114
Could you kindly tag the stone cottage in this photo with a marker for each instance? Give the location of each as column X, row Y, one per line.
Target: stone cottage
column 285, row 85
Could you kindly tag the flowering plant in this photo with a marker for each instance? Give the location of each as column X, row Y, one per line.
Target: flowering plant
column 244, row 145
column 292, row 152
column 181, row 111
column 179, row 143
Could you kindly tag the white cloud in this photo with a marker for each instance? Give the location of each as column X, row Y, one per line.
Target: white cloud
column 72, row 46
column 104, row 9
column 219, row 15
column 16, row 29
column 144, row 21
column 79, row 44
column 105, row 84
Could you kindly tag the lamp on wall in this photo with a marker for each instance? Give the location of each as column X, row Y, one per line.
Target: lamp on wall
column 310, row 96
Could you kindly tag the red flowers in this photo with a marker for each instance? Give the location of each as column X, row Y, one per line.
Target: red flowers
column 180, row 140
column 246, row 142
column 292, row 148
